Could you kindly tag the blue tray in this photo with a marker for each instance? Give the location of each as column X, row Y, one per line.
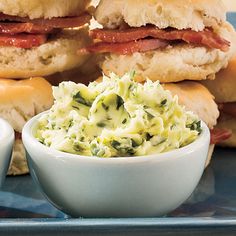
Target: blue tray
column 211, row 210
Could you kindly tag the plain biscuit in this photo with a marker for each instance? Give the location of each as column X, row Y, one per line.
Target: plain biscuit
column 43, row 8
column 20, row 101
column 224, row 86
column 179, row 14
column 23, row 99
column 196, row 98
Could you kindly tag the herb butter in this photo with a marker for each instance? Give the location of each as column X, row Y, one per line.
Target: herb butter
column 117, row 117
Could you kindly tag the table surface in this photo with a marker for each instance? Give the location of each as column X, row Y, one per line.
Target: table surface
column 211, row 208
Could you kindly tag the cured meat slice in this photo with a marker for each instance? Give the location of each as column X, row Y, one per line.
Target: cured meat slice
column 23, row 40
column 16, row 28
column 228, row 108
column 220, row 135
column 18, row 135
column 207, row 37
column 128, row 48
column 25, row 33
column 55, row 22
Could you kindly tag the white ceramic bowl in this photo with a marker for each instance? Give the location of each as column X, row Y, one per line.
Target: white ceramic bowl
column 7, row 138
column 116, row 187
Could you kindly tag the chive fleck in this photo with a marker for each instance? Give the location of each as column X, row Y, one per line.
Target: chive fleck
column 105, row 107
column 124, row 121
column 132, row 74
column 163, row 102
column 115, row 144
column 101, row 124
column 150, row 116
column 134, row 143
column 196, row 125
column 82, row 139
column 75, row 107
column 79, row 99
column 77, row 147
column 148, row 136
column 119, row 102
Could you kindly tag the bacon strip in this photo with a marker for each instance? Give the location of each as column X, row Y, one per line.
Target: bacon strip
column 18, row 135
column 220, row 135
column 55, row 22
column 13, row 33
column 228, row 108
column 23, row 40
column 126, row 48
column 206, row 37
column 16, row 28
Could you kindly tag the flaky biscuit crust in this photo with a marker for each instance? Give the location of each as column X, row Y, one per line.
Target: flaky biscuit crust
column 179, row 14
column 43, row 8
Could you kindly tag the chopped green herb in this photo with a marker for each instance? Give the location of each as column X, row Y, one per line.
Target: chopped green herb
column 132, row 74
column 105, row 107
column 82, row 139
column 77, row 147
column 97, row 151
column 196, row 125
column 119, row 102
column 148, row 136
column 124, row 121
column 163, row 102
column 70, row 123
column 150, row 116
column 162, row 141
column 115, row 144
column 77, row 108
column 79, row 99
column 122, row 149
column 101, row 124
column 134, row 143
column 130, row 152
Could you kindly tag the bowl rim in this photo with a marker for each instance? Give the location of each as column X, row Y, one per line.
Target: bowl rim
column 7, row 131
column 27, row 134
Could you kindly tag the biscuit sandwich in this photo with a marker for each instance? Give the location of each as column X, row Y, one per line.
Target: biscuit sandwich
column 163, row 40
column 40, row 38
column 19, row 101
column 223, row 88
column 198, row 99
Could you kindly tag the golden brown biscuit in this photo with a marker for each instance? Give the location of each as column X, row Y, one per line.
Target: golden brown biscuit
column 179, row 14
column 224, row 86
column 23, row 99
column 196, row 98
column 19, row 101
column 43, row 8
